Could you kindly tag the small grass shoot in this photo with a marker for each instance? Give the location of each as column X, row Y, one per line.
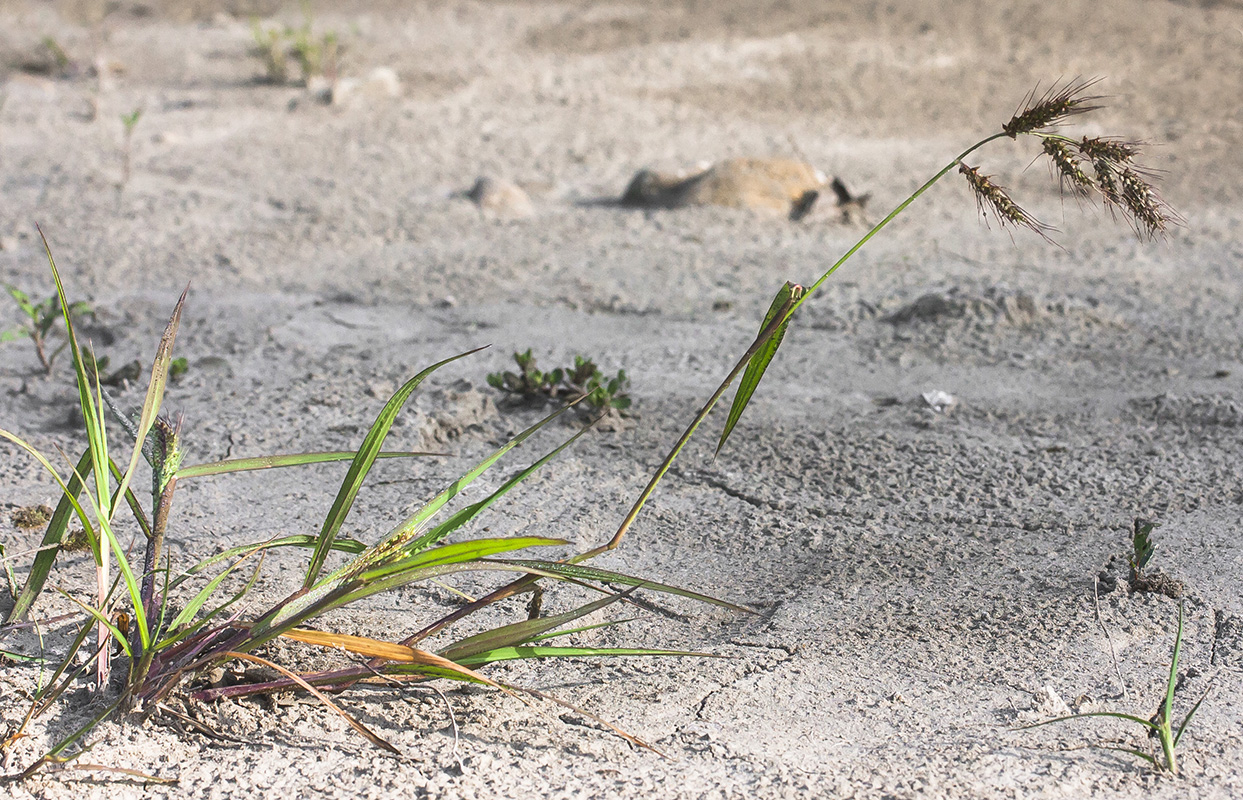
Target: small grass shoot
column 315, row 54
column 1160, row 726
column 41, row 319
column 128, row 123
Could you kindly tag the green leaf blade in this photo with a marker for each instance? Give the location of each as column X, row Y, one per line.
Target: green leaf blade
column 771, row 333
column 361, row 465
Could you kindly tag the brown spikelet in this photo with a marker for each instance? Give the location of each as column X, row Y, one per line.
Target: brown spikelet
column 1051, row 108
column 1150, row 216
column 1118, row 151
column 989, row 195
column 1123, row 185
column 1067, row 165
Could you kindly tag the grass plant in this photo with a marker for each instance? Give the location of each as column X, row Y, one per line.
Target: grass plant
column 41, row 319
column 163, row 645
column 314, row 54
column 166, row 645
column 1160, row 726
column 128, row 123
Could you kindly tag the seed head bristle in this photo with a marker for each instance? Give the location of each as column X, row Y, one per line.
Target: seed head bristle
column 1068, row 166
column 1117, row 151
column 989, row 195
column 1053, row 106
column 1150, row 216
column 1122, row 184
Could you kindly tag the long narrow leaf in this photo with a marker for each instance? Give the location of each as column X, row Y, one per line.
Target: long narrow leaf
column 361, row 465
column 398, row 540
column 472, row 550
column 465, row 515
column 341, row 543
column 103, row 620
column 1115, row 714
column 1172, row 683
column 288, row 460
column 519, row 632
column 388, row 651
column 49, row 548
column 203, row 621
column 155, row 386
column 786, row 297
column 538, row 651
column 1187, row 719
column 109, row 542
column 200, row 599
column 580, row 573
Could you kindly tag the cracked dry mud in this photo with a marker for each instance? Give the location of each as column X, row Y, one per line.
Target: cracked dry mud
column 923, row 581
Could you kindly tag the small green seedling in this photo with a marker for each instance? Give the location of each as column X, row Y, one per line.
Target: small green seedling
column 1142, row 579
column 42, row 319
column 1142, row 547
column 603, row 394
column 178, row 367
column 584, row 379
column 270, row 48
column 128, row 123
column 314, row 55
column 63, row 64
column 1161, row 725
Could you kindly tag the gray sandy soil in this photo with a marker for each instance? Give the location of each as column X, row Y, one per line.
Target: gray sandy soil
column 924, row 580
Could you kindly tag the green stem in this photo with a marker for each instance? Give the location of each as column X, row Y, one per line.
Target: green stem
column 779, row 320
column 893, row 214
column 1167, row 745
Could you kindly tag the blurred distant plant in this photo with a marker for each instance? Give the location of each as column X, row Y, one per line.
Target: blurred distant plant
column 128, row 122
column 584, row 379
column 41, row 319
column 314, row 54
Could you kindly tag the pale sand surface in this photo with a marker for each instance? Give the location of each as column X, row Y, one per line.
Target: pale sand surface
column 924, row 581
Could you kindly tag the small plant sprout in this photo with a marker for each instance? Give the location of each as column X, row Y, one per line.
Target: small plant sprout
column 584, row 379
column 314, row 55
column 128, row 123
column 1160, row 726
column 1142, row 547
column 41, row 320
column 271, row 49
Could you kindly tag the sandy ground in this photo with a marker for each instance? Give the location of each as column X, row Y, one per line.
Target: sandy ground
column 924, row 580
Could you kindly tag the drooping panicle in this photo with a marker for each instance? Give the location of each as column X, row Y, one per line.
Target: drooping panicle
column 988, row 194
column 1053, row 107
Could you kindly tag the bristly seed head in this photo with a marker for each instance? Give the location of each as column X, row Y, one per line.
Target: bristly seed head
column 989, row 195
column 1053, row 106
column 1121, row 183
column 1068, row 166
column 1150, row 215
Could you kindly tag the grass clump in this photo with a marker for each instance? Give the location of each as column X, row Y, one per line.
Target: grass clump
column 314, row 54
column 41, row 319
column 583, row 379
column 164, row 646
column 1160, row 726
